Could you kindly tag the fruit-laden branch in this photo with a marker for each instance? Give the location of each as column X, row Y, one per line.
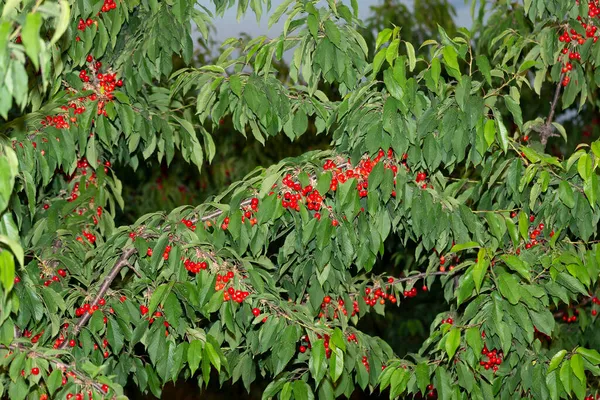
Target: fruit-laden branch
column 58, row 364
column 121, row 262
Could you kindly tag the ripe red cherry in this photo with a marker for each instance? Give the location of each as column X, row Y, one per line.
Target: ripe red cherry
column 143, row 309
column 72, row 343
column 256, row 312
column 390, row 280
column 89, row 58
column 119, row 83
column 35, row 370
column 531, row 218
column 594, row 313
column 62, row 272
column 105, row 388
column 327, row 299
column 302, row 349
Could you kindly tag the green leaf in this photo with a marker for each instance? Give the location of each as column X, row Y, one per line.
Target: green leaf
column 451, row 58
column 556, row 360
column 474, row 340
column 7, row 270
column 565, row 194
column 316, row 364
column 422, row 374
column 452, row 342
column 503, row 132
column 489, row 132
column 332, row 32
column 302, row 391
column 194, row 355
column 30, row 35
column 62, row 22
column 54, row 381
column 480, row 269
column 577, row 367
column 336, row 364
column 524, row 225
column 410, row 51
column 211, row 354
column 509, row 287
column 591, row 355
column 464, row 246
column 517, row 265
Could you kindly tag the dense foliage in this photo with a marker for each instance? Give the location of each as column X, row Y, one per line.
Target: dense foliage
column 439, row 144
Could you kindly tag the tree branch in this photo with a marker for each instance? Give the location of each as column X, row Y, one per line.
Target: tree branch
column 121, row 262
column 546, row 131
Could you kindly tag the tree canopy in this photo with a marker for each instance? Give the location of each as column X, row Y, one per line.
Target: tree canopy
column 437, row 139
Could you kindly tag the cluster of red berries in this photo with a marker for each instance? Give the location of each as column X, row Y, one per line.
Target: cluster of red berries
column 235, row 295
column 305, row 344
column 249, row 211
column 494, row 358
column 431, row 393
column 102, row 84
column 571, row 38
column 194, row 267
column 378, row 296
column 223, row 279
column 149, row 252
column 592, row 397
column 442, row 268
column 596, row 301
column 225, row 224
column 352, row 338
column 84, row 23
column 89, row 236
column 325, row 343
column 448, row 320
column 158, row 314
column 534, row 232
column 108, row 5
column 570, row 319
column 57, row 121
column 90, row 309
column 365, row 362
column 256, row 312
column 328, row 302
column 29, row 334
column 189, row 223
column 54, row 278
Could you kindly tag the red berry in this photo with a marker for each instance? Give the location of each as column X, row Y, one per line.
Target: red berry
column 302, row 349
column 143, row 309
column 105, row 388
column 35, row 370
column 256, row 312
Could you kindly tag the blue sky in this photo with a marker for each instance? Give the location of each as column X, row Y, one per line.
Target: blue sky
column 228, row 26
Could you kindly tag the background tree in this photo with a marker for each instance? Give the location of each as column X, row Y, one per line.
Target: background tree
column 274, row 276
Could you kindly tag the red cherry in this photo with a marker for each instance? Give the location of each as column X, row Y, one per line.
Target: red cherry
column 302, row 349
column 35, row 370
column 143, row 309
column 256, row 312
